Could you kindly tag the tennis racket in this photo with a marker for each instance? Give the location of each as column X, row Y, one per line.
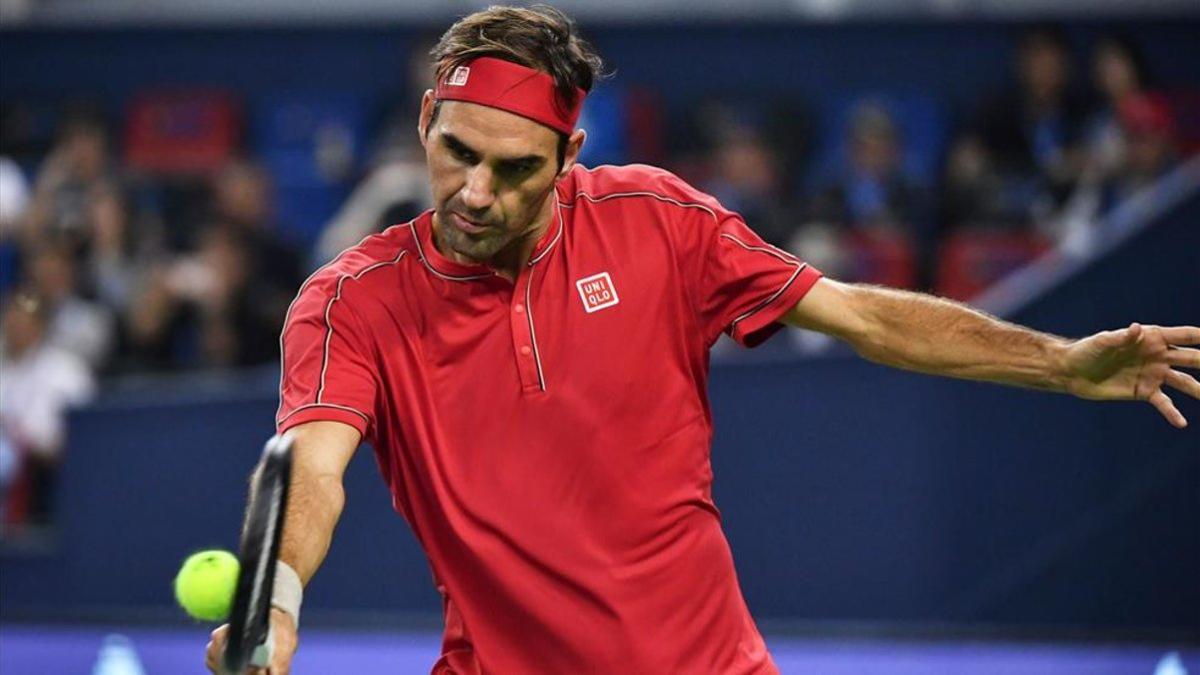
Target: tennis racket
column 249, row 643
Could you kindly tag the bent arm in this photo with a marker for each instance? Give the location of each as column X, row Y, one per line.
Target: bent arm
column 932, row 335
column 320, row 453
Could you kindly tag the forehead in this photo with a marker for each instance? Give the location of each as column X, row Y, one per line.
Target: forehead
column 492, row 131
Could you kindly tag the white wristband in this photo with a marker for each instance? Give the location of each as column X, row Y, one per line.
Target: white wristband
column 288, row 591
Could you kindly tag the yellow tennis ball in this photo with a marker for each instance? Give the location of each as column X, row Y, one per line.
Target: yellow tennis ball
column 205, row 584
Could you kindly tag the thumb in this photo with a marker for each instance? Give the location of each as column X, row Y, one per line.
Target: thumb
column 1129, row 336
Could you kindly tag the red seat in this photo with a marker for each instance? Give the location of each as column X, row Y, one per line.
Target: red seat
column 880, row 258
column 182, row 131
column 972, row 260
column 16, row 503
column 1185, row 107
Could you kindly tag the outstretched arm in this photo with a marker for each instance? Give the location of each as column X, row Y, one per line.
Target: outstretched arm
column 320, row 454
column 941, row 337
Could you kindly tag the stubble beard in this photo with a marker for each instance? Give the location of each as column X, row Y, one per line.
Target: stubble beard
column 481, row 248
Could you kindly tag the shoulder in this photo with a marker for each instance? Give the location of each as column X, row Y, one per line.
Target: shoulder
column 362, row 264
column 640, row 185
column 64, row 372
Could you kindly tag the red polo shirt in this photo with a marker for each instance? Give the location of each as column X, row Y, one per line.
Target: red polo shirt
column 548, row 440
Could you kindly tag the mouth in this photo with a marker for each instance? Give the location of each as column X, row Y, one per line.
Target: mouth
column 467, row 226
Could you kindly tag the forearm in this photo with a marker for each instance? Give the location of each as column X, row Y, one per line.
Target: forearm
column 314, row 506
column 320, row 453
column 932, row 335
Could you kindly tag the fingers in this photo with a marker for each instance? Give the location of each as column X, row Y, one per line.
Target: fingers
column 1167, row 409
column 1185, row 357
column 1181, row 335
column 281, row 664
column 285, row 642
column 1183, row 382
column 215, row 649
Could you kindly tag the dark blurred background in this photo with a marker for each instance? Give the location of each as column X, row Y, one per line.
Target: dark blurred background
column 170, row 173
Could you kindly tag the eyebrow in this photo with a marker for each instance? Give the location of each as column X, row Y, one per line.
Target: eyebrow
column 456, row 144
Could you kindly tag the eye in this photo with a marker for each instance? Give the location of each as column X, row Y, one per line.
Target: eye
column 462, row 154
column 518, row 170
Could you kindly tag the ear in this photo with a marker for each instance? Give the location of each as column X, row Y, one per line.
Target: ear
column 574, row 145
column 425, row 116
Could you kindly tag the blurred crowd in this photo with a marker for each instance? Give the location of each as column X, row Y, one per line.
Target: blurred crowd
column 93, row 285
column 1030, row 168
column 111, row 266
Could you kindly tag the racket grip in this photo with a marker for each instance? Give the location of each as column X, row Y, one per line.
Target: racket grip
column 261, row 657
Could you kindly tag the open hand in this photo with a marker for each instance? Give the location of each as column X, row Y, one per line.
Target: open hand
column 1133, row 364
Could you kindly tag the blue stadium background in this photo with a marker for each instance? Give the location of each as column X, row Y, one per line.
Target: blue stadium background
column 852, row 495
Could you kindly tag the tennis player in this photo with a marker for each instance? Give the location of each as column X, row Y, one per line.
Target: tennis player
column 529, row 361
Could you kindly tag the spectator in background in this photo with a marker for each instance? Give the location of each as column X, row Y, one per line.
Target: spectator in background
column 1119, row 75
column 1151, row 146
column 396, row 186
column 972, row 192
column 75, row 324
column 744, row 175
column 41, row 383
column 873, row 193
column 113, row 256
column 260, row 271
column 78, row 163
column 865, row 224
column 56, row 233
column 242, row 199
column 1030, row 140
column 1127, row 120
column 223, row 303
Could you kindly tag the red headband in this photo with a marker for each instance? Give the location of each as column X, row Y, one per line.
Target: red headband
column 502, row 84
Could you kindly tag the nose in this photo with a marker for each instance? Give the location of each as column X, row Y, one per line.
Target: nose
column 478, row 193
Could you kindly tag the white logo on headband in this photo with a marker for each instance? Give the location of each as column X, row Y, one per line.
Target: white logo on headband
column 459, row 77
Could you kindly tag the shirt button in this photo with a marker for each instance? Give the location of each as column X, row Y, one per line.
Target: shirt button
column 525, row 350
column 518, row 308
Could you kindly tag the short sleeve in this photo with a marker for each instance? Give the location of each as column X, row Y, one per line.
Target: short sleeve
column 745, row 284
column 327, row 373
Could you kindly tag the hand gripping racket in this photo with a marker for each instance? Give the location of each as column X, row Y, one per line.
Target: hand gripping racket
column 250, row 621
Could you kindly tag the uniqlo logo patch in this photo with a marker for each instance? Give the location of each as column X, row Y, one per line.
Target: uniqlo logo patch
column 597, row 292
column 459, row 77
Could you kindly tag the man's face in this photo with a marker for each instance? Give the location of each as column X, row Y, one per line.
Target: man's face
column 22, row 329
column 875, row 153
column 490, row 172
column 1043, row 69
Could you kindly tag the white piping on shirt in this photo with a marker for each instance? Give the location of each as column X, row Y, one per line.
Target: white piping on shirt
column 769, row 249
column 335, row 406
column 537, row 355
column 765, row 303
column 661, row 198
column 288, row 314
column 337, row 296
column 782, row 255
column 778, row 254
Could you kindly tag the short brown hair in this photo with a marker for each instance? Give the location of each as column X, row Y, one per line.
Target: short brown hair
column 539, row 37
